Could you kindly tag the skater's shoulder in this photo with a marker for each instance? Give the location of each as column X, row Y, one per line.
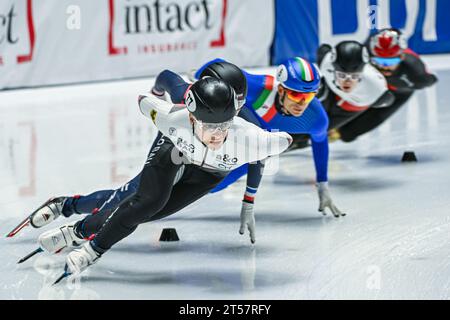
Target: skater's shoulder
column 243, row 127
column 372, row 75
column 372, row 85
column 316, row 106
column 411, row 60
column 258, row 84
column 318, row 118
column 240, row 123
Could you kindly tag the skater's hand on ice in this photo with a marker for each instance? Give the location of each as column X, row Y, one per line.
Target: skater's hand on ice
column 248, row 220
column 326, row 201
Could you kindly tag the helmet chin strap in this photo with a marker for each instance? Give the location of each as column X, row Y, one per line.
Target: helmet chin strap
column 195, row 133
column 192, row 119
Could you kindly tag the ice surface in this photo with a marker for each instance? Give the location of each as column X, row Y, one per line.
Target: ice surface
column 393, row 244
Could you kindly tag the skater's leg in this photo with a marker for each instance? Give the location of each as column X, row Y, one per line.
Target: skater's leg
column 172, row 83
column 90, row 225
column 370, row 119
column 152, row 194
column 338, row 117
column 99, row 200
column 194, row 185
column 85, row 204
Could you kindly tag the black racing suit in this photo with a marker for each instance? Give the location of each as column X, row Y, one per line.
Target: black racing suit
column 156, row 197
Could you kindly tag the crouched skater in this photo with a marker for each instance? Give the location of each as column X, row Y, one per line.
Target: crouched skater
column 195, row 148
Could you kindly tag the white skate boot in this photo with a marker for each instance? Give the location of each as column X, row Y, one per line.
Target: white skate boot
column 42, row 216
column 55, row 240
column 47, row 213
column 79, row 259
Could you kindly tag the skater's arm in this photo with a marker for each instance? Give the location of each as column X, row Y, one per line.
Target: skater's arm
column 418, row 72
column 319, row 142
column 259, row 143
column 319, row 138
column 319, row 145
column 320, row 152
column 254, row 175
column 424, row 80
column 276, row 143
column 322, row 51
column 374, row 90
column 385, row 100
column 172, row 83
column 149, row 103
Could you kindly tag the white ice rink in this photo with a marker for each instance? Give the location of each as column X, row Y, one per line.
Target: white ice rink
column 394, row 242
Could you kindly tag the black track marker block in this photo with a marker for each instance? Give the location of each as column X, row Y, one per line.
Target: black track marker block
column 409, row 156
column 169, row 234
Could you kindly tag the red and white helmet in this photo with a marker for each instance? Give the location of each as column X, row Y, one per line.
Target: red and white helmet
column 388, row 43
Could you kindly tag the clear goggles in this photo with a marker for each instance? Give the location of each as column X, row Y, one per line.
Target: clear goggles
column 353, row 76
column 298, row 96
column 215, row 127
column 386, row 62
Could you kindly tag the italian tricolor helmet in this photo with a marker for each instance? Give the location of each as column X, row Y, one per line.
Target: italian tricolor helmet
column 299, row 75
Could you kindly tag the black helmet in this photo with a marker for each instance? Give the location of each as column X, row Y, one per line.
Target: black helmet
column 211, row 100
column 349, row 56
column 229, row 73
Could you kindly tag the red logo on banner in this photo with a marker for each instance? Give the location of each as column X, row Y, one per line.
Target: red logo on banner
column 8, row 31
column 147, row 17
column 112, row 49
column 221, row 41
column 27, row 57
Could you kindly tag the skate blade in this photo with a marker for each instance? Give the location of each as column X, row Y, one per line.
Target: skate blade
column 17, row 229
column 27, row 221
column 61, row 277
column 28, row 256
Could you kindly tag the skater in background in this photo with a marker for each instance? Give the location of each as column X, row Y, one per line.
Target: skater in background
column 405, row 73
column 350, row 85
